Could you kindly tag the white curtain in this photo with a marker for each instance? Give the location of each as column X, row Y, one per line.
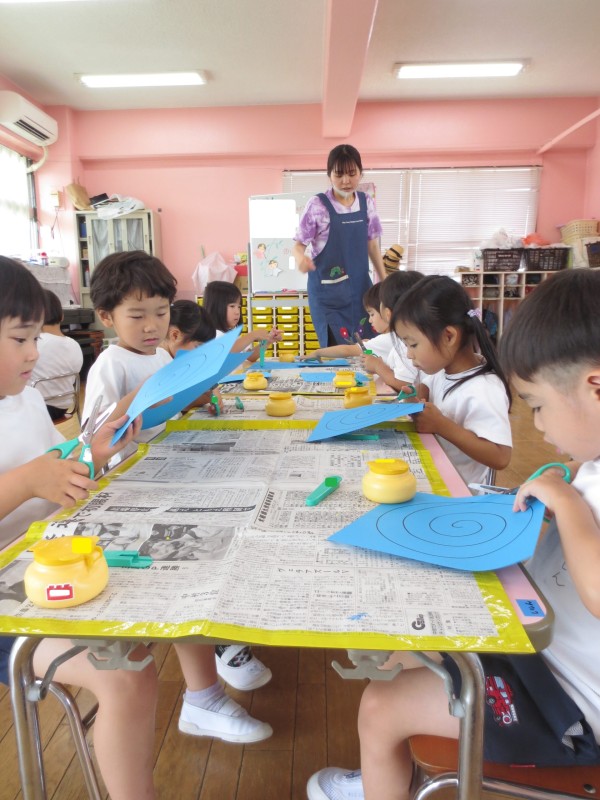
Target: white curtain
column 15, row 212
column 440, row 216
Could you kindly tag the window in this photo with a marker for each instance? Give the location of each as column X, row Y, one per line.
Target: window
column 440, row 216
column 18, row 234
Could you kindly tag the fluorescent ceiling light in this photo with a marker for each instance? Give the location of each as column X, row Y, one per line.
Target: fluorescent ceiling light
column 473, row 69
column 196, row 78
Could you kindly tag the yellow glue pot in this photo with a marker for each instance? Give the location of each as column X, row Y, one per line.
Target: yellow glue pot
column 357, row 396
column 344, row 378
column 66, row 572
column 280, row 404
column 389, row 480
column 255, row 381
column 287, row 357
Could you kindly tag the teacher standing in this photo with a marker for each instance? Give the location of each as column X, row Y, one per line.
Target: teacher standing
column 338, row 233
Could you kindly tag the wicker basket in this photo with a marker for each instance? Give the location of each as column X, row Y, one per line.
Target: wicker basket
column 577, row 229
column 546, row 258
column 593, row 252
column 508, row 260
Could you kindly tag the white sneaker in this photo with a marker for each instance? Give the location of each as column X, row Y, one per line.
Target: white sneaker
column 230, row 722
column 332, row 783
column 240, row 668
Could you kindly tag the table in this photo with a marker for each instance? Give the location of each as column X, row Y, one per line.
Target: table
column 206, row 461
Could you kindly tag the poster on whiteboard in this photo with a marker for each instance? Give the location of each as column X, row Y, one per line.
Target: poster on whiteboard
column 274, row 221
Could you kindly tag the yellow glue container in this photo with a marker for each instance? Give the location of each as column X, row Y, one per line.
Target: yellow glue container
column 287, row 357
column 389, row 480
column 344, row 378
column 357, row 396
column 66, row 572
column 255, row 381
column 280, row 404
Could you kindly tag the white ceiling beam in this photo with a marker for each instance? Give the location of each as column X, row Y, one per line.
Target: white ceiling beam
column 348, row 28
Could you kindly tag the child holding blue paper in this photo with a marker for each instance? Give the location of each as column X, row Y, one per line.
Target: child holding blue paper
column 551, row 351
column 132, row 293
column 466, row 394
column 223, row 304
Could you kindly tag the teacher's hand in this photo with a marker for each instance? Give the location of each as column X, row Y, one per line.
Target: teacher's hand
column 306, row 264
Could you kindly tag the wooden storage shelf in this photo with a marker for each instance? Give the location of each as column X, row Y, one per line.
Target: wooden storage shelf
column 500, row 292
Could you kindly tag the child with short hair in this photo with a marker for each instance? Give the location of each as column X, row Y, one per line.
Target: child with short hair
column 223, row 303
column 551, row 351
column 33, row 484
column 132, row 293
column 380, row 344
column 58, row 355
column 394, row 368
column 467, row 397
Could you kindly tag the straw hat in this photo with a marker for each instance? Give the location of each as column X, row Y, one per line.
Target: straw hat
column 392, row 258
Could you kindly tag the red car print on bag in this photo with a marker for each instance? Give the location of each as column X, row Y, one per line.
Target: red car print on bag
column 499, row 695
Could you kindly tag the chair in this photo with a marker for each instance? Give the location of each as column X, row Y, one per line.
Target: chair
column 437, row 756
column 72, row 395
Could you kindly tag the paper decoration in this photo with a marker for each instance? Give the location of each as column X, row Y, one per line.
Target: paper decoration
column 336, row 423
column 184, row 379
column 468, row 533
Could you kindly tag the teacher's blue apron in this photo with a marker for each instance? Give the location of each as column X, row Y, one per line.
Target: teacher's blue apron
column 337, row 286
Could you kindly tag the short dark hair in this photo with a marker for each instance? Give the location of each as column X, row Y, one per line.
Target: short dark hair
column 122, row 274
column 556, row 327
column 217, row 296
column 21, row 294
column 192, row 320
column 371, row 297
column 395, row 285
column 343, row 158
column 53, row 314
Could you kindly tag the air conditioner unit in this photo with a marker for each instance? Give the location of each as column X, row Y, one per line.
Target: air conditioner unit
column 22, row 117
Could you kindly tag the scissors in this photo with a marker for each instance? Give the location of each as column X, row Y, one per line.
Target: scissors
column 408, row 392
column 491, row 489
column 85, row 438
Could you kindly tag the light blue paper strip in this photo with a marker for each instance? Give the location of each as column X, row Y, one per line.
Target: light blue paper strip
column 336, row 423
column 469, row 533
column 183, row 380
column 241, row 376
column 327, row 377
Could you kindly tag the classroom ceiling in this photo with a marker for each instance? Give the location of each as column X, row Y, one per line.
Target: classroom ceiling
column 333, row 52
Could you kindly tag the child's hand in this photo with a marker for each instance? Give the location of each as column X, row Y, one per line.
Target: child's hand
column 370, row 363
column 550, row 489
column 429, row 420
column 274, row 335
column 102, row 450
column 62, row 481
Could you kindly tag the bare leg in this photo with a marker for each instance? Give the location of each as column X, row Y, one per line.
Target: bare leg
column 390, row 712
column 197, row 664
column 124, row 726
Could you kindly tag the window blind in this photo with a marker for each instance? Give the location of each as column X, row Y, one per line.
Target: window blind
column 15, row 209
column 440, row 216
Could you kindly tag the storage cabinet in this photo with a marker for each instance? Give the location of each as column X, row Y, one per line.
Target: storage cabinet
column 98, row 238
column 499, row 293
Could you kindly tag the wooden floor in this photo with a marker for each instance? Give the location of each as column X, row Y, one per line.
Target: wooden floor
column 313, row 712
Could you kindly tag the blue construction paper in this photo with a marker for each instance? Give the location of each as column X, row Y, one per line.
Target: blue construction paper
column 468, row 533
column 183, row 380
column 326, row 362
column 327, row 377
column 336, row 423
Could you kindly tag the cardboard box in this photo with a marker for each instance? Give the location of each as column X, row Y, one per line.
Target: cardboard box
column 241, row 281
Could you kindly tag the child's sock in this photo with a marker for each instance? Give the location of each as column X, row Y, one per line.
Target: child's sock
column 210, row 699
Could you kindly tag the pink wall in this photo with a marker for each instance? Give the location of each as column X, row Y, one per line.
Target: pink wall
column 199, row 166
column 592, row 195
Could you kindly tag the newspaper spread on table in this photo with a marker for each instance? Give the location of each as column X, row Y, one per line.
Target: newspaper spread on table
column 237, row 553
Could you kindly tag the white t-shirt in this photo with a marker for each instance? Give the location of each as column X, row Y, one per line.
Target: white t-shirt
column 480, row 405
column 58, row 355
column 380, row 345
column 26, row 432
column 397, row 359
column 574, row 653
column 118, row 371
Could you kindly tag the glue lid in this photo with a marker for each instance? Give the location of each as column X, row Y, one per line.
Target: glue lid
column 388, row 466
column 56, row 552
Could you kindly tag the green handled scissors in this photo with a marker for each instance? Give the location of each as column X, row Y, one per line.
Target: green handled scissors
column 566, row 476
column 408, row 391
column 84, row 439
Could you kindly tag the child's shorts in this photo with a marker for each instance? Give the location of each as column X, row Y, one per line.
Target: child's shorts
column 529, row 718
column 6, row 643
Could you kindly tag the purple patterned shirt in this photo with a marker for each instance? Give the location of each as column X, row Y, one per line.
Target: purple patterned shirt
column 313, row 229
